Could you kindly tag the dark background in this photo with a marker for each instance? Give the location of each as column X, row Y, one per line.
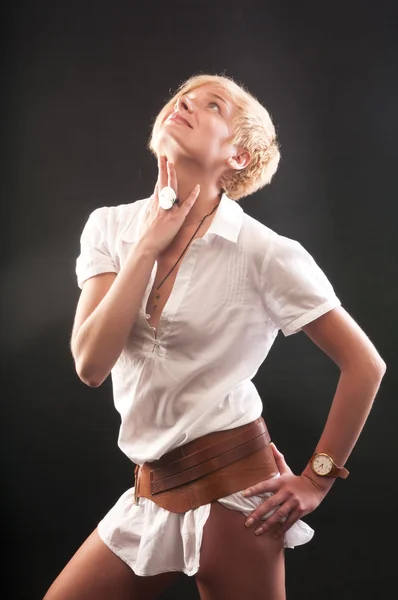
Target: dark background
column 82, row 84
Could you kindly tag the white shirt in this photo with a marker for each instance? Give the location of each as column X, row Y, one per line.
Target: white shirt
column 235, row 288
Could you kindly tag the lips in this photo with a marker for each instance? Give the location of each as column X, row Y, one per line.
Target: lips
column 179, row 119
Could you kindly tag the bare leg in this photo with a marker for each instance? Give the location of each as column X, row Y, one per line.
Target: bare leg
column 96, row 573
column 235, row 563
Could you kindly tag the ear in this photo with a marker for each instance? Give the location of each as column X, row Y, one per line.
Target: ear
column 240, row 160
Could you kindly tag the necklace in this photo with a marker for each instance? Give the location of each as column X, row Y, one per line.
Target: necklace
column 157, row 295
column 191, row 223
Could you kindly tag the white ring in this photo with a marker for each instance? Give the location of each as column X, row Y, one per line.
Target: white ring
column 167, row 198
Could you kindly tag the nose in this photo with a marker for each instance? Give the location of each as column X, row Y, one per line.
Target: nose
column 184, row 103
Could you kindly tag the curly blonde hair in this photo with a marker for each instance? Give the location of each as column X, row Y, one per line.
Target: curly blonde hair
column 253, row 130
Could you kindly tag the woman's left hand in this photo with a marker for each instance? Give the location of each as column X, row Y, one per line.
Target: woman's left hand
column 293, row 497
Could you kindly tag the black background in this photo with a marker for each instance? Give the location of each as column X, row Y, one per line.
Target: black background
column 82, row 84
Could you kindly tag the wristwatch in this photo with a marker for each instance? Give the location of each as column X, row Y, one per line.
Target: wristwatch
column 323, row 465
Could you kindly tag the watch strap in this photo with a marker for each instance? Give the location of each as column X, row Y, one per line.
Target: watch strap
column 339, row 472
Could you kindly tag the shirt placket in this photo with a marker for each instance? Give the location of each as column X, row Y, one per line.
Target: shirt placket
column 178, row 293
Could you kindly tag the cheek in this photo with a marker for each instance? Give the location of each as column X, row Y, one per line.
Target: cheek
column 217, row 132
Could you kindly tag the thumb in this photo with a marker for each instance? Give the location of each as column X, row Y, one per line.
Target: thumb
column 280, row 460
column 190, row 201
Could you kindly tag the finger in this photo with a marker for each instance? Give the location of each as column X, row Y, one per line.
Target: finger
column 162, row 166
column 156, row 192
column 172, row 177
column 190, row 201
column 266, row 509
column 155, row 197
column 268, row 485
column 274, row 523
column 280, row 460
column 294, row 516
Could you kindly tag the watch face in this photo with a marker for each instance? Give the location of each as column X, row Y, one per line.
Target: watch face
column 322, row 464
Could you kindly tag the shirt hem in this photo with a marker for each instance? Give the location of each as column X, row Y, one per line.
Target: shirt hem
column 93, row 273
column 296, row 325
column 119, row 552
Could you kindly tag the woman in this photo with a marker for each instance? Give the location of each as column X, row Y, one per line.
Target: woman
column 182, row 297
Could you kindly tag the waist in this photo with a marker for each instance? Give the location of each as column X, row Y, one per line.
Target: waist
column 207, row 468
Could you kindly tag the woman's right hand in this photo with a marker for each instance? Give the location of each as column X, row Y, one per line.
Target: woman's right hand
column 160, row 226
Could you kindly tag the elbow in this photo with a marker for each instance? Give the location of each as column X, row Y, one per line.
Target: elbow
column 381, row 368
column 374, row 368
column 89, row 374
column 377, row 366
column 93, row 383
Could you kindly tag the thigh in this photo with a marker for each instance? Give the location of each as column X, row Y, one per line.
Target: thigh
column 96, row 573
column 235, row 563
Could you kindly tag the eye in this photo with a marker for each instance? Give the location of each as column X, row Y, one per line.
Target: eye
column 212, row 103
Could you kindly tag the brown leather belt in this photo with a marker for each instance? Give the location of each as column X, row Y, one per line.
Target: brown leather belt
column 208, row 468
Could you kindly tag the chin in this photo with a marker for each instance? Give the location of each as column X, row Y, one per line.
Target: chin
column 171, row 147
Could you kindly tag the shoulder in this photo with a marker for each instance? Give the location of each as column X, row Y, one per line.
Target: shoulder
column 119, row 215
column 261, row 234
column 267, row 242
column 257, row 235
column 111, row 221
column 273, row 252
column 288, row 257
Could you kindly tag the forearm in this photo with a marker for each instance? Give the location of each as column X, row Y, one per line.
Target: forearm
column 103, row 335
column 352, row 402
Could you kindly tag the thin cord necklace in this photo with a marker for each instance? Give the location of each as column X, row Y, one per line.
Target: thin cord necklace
column 157, row 295
column 191, row 223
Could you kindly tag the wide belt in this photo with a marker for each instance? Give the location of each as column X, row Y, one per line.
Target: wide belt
column 208, row 468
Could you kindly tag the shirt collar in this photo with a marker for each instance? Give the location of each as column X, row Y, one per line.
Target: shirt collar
column 227, row 221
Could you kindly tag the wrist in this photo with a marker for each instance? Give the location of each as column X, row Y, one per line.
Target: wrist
column 321, row 483
column 146, row 249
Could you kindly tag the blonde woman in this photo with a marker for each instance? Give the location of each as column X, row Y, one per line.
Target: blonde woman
column 182, row 297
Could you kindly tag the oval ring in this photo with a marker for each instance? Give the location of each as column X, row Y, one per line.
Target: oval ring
column 167, row 198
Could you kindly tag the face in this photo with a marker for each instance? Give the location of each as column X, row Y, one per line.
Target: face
column 199, row 127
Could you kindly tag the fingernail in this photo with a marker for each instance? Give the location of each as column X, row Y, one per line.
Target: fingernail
column 258, row 531
column 245, row 492
column 249, row 522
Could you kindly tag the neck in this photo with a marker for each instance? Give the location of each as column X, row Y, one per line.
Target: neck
column 188, row 175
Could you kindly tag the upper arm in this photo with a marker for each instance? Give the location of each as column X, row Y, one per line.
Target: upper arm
column 93, row 291
column 295, row 290
column 95, row 266
column 341, row 338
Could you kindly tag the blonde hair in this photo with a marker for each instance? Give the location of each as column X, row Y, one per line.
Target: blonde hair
column 252, row 129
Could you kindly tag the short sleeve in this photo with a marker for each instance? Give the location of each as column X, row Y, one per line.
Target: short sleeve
column 295, row 290
column 94, row 257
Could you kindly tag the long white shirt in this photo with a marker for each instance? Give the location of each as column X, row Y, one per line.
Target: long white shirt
column 235, row 289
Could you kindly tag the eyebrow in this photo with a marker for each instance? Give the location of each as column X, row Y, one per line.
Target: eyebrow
column 219, row 97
